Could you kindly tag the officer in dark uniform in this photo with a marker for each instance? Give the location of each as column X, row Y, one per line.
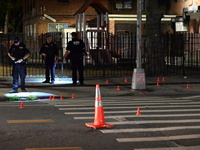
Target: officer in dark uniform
column 75, row 50
column 49, row 52
column 18, row 53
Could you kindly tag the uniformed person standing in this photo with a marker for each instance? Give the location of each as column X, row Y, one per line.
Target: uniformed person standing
column 19, row 54
column 75, row 50
column 49, row 52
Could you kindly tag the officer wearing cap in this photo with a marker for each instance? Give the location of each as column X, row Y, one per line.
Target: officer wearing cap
column 18, row 54
column 49, row 52
column 75, row 50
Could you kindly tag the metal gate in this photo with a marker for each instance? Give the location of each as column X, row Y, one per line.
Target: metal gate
column 108, row 55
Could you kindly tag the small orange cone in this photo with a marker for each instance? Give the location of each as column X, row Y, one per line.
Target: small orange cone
column 125, row 80
column 138, row 112
column 158, row 84
column 163, row 79
column 188, row 86
column 118, row 87
column 107, row 81
column 73, row 96
column 50, row 97
column 61, row 97
column 158, row 80
column 53, row 98
column 99, row 121
column 21, row 105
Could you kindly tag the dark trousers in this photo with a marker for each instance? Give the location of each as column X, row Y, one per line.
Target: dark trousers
column 19, row 70
column 77, row 66
column 51, row 69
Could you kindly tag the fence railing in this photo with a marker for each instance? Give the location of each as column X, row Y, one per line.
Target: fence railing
column 108, row 55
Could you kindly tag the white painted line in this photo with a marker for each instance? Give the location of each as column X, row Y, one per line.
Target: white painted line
column 133, row 111
column 135, row 107
column 122, row 104
column 87, row 108
column 156, row 122
column 143, row 116
column 149, row 129
column 161, row 138
column 172, row 148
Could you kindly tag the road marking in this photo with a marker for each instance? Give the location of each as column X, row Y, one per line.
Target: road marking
column 124, row 112
column 142, row 116
column 149, row 129
column 156, row 122
column 131, row 107
column 129, row 104
column 172, row 148
column 87, row 108
column 30, row 121
column 56, row 148
column 161, row 138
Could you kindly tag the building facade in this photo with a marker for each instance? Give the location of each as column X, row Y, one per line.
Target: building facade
column 53, row 15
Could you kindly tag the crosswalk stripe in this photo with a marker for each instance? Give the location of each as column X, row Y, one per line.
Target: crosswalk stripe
column 161, row 138
column 149, row 129
column 143, row 116
column 87, row 108
column 172, row 148
column 131, row 103
column 129, row 107
column 124, row 112
column 122, row 104
column 156, row 122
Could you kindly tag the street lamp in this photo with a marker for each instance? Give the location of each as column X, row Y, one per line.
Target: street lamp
column 138, row 78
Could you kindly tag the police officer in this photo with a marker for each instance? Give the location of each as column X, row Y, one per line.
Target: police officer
column 75, row 50
column 19, row 54
column 49, row 52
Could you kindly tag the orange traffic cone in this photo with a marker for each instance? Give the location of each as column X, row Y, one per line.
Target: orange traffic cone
column 21, row 105
column 163, row 79
column 158, row 80
column 118, row 87
column 158, row 84
column 188, row 86
column 53, row 98
column 107, row 81
column 125, row 80
column 61, row 97
column 138, row 112
column 99, row 121
column 73, row 96
column 50, row 97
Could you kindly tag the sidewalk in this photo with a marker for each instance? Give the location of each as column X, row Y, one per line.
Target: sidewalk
column 172, row 86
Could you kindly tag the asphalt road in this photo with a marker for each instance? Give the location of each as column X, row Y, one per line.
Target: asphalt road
column 60, row 124
column 169, row 120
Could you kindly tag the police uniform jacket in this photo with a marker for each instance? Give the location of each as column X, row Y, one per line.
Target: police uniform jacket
column 18, row 52
column 76, row 48
column 51, row 50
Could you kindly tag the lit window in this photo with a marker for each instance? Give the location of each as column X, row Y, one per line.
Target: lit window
column 127, row 5
column 123, row 4
column 57, row 27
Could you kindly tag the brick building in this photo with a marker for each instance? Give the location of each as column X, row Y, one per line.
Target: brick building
column 52, row 15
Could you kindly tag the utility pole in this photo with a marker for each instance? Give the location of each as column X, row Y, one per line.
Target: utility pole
column 138, row 78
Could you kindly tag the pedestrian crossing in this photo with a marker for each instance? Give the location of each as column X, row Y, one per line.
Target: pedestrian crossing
column 165, row 124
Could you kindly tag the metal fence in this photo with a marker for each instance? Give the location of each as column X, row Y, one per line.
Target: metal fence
column 108, row 55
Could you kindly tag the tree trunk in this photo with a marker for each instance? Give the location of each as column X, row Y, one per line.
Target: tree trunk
column 6, row 22
column 155, row 64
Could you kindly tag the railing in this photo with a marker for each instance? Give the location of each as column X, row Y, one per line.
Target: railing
column 108, row 55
